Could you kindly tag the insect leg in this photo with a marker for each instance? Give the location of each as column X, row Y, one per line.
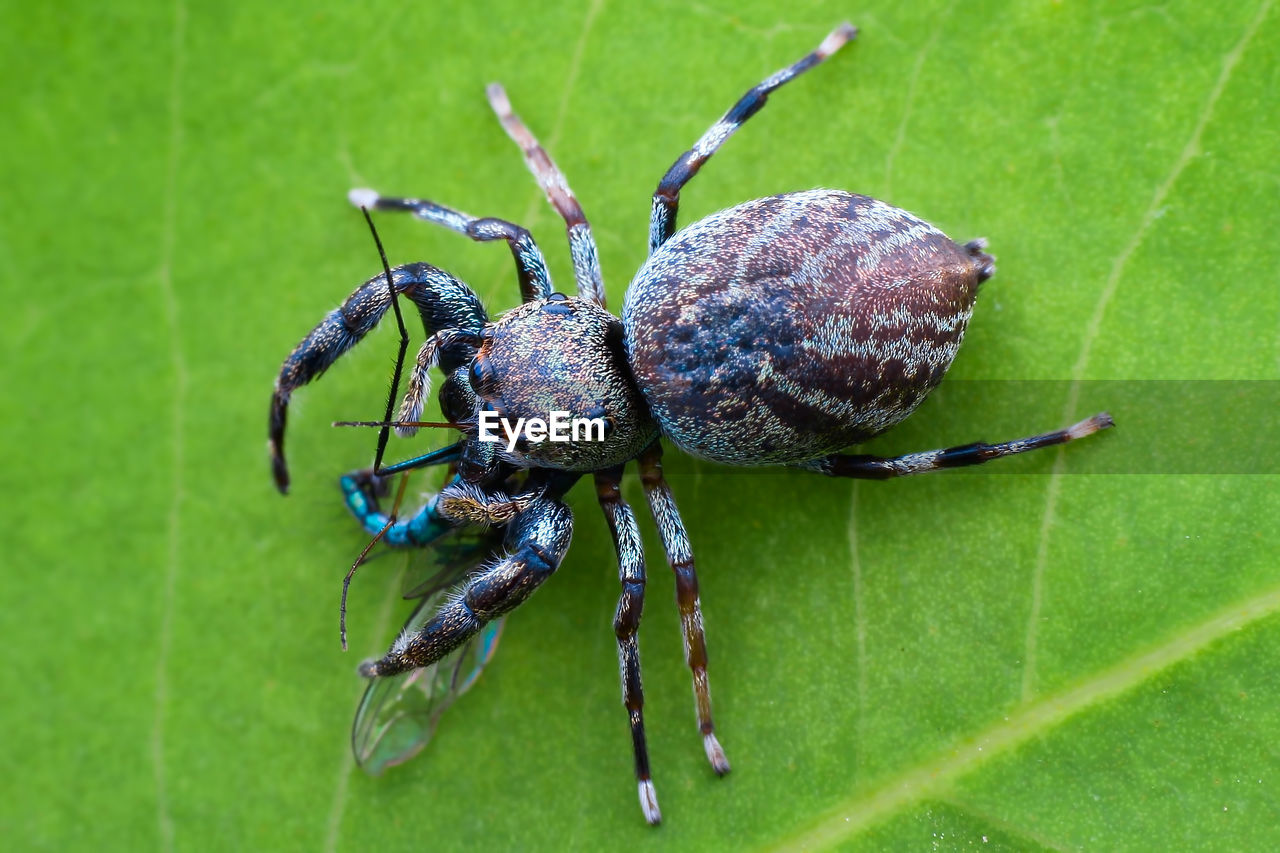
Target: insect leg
column 444, row 455
column 537, row 540
column 680, row 557
column 666, row 200
column 883, row 468
column 626, row 625
column 360, row 493
column 531, row 268
column 442, row 301
column 582, row 246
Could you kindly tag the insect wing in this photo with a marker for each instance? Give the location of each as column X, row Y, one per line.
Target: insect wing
column 449, row 558
column 398, row 714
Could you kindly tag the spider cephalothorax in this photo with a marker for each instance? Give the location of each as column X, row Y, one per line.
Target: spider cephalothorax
column 562, row 356
column 778, row 331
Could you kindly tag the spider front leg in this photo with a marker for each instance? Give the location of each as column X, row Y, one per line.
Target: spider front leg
column 680, row 557
column 885, row 467
column 626, row 625
column 531, row 267
column 582, row 246
column 666, row 200
column 537, row 541
column 442, row 301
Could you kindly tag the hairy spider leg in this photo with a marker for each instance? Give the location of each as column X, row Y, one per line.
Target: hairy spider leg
column 666, row 200
column 626, row 625
column 536, row 540
column 680, row 557
column 462, row 343
column 886, row 467
column 531, row 267
column 582, row 246
column 443, row 302
column 468, row 503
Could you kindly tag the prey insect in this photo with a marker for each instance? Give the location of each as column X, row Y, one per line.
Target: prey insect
column 778, row 332
column 398, row 714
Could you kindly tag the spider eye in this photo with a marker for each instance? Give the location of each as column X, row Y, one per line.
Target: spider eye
column 483, row 380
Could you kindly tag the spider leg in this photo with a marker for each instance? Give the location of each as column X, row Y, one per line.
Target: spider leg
column 443, row 302
column 883, row 468
column 666, row 200
column 537, row 539
column 680, row 557
column 626, row 625
column 446, row 345
column 531, row 268
column 467, row 503
column 582, row 246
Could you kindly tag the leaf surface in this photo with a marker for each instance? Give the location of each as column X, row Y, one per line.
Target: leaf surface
column 1073, row 652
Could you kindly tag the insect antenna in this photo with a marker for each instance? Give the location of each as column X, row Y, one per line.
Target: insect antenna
column 398, row 424
column 346, row 582
column 385, row 432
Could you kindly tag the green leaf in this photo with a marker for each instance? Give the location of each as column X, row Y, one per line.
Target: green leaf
column 1073, row 650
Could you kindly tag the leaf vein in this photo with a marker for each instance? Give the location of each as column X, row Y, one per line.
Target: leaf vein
column 164, row 817
column 333, row 823
column 1003, row 825
column 901, row 136
column 859, row 619
column 929, row 779
column 1092, row 330
column 562, row 110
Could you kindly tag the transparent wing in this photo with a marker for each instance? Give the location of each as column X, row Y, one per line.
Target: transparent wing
column 448, row 559
column 398, row 714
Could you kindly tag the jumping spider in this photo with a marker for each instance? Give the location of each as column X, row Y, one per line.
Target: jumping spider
column 778, row 331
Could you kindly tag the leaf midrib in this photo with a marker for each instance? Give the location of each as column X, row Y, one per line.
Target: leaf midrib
column 934, row 776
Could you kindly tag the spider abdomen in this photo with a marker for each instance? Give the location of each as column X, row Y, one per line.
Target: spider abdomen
column 792, row 326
